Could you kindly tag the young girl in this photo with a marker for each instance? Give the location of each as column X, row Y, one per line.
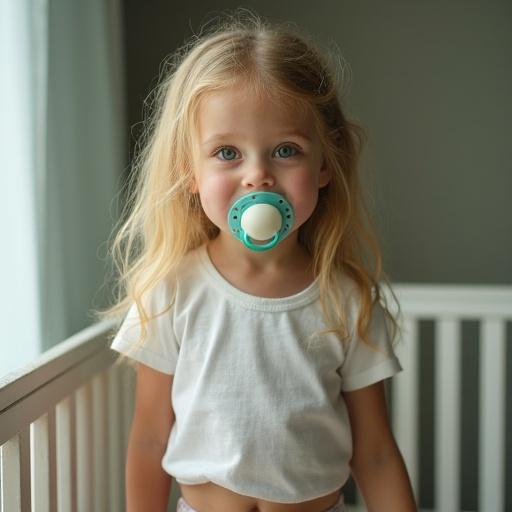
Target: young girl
column 259, row 330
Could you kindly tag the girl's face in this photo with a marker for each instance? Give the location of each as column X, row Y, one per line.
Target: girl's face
column 248, row 144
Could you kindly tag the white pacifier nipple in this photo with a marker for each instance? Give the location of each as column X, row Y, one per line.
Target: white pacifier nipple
column 261, row 221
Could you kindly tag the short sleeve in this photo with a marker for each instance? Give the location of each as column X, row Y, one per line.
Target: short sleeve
column 160, row 348
column 363, row 365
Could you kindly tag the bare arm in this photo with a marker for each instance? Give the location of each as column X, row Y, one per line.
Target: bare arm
column 377, row 464
column 147, row 484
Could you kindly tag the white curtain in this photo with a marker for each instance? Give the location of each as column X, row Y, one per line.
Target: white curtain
column 63, row 154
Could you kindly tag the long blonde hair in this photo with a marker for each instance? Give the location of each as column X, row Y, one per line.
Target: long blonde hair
column 163, row 220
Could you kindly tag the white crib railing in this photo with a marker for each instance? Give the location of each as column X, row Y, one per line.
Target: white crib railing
column 491, row 306
column 63, row 429
column 64, row 420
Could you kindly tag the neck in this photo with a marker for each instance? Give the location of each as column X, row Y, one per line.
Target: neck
column 288, row 254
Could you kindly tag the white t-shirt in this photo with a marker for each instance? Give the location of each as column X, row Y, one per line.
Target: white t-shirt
column 258, row 408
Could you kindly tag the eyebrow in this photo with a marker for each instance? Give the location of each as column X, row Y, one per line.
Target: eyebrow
column 223, row 136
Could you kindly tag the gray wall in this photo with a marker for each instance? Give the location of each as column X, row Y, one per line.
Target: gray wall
column 431, row 84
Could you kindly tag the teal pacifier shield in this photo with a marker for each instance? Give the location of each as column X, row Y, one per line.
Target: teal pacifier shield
column 241, row 207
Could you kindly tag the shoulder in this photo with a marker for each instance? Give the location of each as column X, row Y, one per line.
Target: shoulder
column 163, row 290
column 353, row 299
column 349, row 295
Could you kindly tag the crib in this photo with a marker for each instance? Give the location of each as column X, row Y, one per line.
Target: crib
column 64, row 419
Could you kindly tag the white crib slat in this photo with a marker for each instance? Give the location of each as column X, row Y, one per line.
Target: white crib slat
column 128, row 381
column 26, row 505
column 100, row 459
column 492, row 415
column 405, row 419
column 84, row 449
column 65, row 469
column 52, row 462
column 11, row 475
column 115, row 446
column 40, row 468
column 447, row 414
column 128, row 402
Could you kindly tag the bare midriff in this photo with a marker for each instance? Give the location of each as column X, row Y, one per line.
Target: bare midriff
column 210, row 497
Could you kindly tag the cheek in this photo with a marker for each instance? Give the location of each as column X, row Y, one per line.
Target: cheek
column 305, row 182
column 306, row 204
column 305, row 186
column 305, row 195
column 216, row 194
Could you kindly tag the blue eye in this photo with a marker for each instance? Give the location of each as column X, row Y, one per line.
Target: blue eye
column 224, row 151
column 229, row 154
column 287, row 154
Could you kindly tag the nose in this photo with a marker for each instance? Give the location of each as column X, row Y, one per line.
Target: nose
column 257, row 175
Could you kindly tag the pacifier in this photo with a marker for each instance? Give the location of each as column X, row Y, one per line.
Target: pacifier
column 261, row 216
